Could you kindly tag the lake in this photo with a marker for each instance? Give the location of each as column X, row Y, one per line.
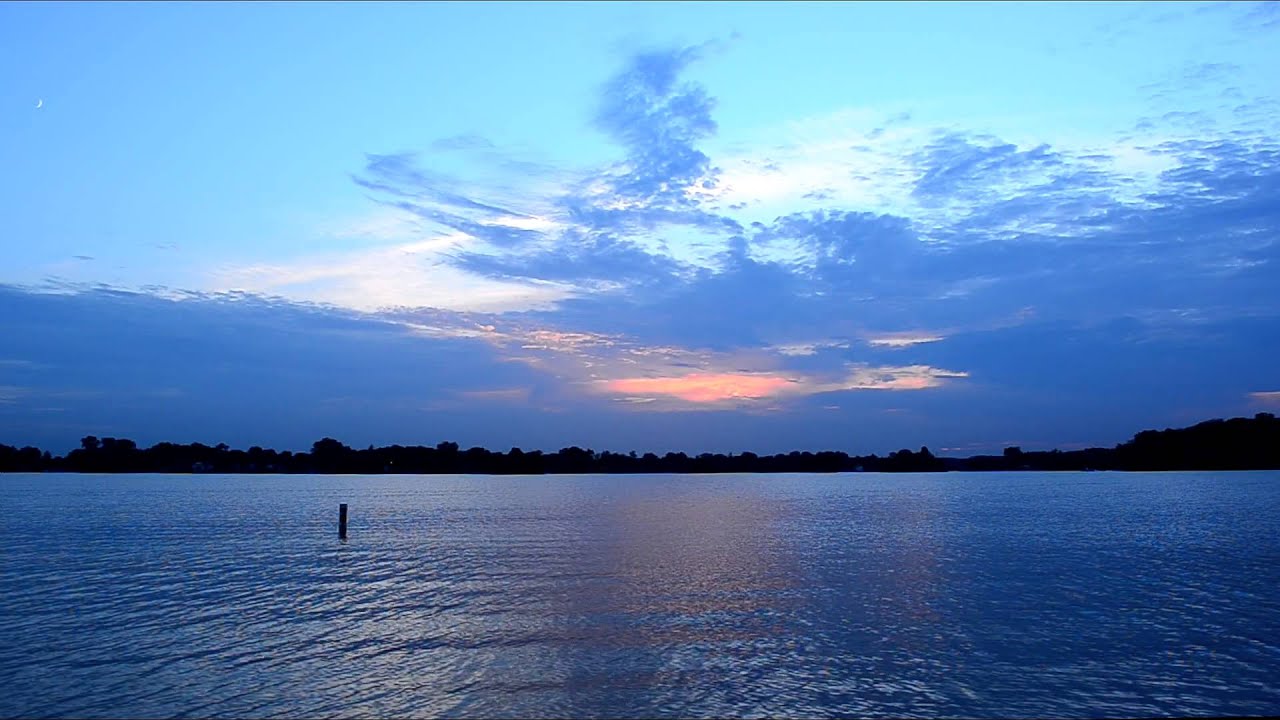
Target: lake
column 977, row 595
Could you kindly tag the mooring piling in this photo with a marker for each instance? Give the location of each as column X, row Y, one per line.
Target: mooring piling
column 342, row 521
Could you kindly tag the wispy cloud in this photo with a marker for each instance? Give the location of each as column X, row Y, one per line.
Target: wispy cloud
column 502, row 395
column 939, row 213
column 1268, row 397
column 806, row 349
column 861, row 251
column 699, row 388
column 902, row 340
column 414, row 274
column 636, row 372
column 659, row 120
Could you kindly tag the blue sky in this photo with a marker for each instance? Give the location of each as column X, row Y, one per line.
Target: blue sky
column 650, row 226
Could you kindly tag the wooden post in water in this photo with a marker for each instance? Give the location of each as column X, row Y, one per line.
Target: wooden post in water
column 342, row 521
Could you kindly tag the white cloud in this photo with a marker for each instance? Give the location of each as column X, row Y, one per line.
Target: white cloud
column 901, row 340
column 1268, row 397
column 845, row 159
column 519, row 222
column 412, row 274
column 868, row 161
column 807, row 349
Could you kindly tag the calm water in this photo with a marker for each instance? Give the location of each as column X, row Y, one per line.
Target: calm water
column 977, row 595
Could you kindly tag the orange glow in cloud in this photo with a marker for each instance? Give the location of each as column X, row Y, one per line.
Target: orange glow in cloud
column 704, row 387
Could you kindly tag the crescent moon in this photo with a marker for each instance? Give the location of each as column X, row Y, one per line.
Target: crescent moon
column 39, row 103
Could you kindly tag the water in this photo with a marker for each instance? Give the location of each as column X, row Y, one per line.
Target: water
column 975, row 595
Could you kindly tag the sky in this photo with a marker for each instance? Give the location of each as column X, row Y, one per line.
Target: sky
column 637, row 226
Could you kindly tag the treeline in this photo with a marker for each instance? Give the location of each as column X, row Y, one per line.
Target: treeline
column 330, row 456
column 1237, row 444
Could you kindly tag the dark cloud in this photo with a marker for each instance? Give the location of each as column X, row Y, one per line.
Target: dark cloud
column 745, row 305
column 848, row 240
column 498, row 234
column 248, row 370
column 1206, row 241
column 400, row 175
column 658, row 120
column 654, row 116
column 1119, row 357
column 228, row 367
column 433, row 197
column 578, row 256
column 1066, row 246
column 961, row 167
column 1058, row 283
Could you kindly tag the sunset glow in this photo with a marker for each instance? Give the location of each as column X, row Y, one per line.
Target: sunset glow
column 1006, row 220
column 704, row 388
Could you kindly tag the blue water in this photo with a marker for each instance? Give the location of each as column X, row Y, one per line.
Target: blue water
column 976, row 595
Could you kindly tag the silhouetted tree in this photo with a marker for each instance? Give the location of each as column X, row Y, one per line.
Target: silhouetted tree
column 1239, row 443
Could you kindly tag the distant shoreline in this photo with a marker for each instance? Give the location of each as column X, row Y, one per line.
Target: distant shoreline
column 1213, row 445
column 280, row 474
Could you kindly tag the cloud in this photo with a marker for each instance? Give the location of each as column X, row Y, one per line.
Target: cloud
column 227, row 367
column 807, row 349
column 959, row 215
column 501, row 395
column 1269, row 397
column 699, row 388
column 659, row 121
column 790, row 268
column 407, row 274
column 631, row 369
column 958, row 167
column 233, row 367
column 400, row 175
column 902, row 340
column 909, row 377
column 578, row 257
column 844, row 247
column 606, row 226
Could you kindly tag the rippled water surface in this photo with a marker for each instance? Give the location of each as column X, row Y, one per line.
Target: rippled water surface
column 976, row 595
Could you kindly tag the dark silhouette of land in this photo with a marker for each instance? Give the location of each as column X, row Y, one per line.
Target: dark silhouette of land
column 1236, row 444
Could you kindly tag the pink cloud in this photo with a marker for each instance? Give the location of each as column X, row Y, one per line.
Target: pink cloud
column 1270, row 397
column 710, row 388
column 704, row 387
